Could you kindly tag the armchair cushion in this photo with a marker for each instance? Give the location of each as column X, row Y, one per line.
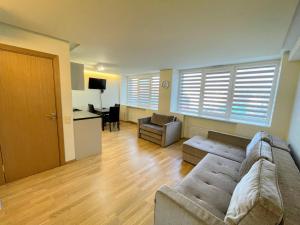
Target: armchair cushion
column 152, row 128
column 161, row 120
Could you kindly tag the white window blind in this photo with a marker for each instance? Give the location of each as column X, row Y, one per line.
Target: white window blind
column 216, row 90
column 189, row 92
column 143, row 91
column 253, row 93
column 239, row 93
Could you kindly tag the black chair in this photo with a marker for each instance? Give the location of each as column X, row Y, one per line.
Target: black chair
column 117, row 105
column 91, row 108
column 105, row 119
column 114, row 117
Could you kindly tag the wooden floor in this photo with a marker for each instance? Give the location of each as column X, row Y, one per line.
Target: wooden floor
column 117, row 187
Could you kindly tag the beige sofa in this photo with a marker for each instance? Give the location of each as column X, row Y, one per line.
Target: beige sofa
column 261, row 188
column 160, row 129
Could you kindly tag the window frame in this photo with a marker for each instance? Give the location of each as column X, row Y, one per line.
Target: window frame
column 141, row 77
column 233, row 70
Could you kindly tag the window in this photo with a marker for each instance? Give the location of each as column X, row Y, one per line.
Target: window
column 239, row 93
column 143, row 91
column 189, row 94
column 215, row 93
column 254, row 94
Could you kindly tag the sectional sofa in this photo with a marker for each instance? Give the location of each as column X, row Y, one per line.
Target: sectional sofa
column 235, row 181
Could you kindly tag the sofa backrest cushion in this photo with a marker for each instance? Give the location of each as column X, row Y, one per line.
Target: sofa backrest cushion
column 259, row 136
column 256, row 198
column 260, row 150
column 279, row 143
column 160, row 120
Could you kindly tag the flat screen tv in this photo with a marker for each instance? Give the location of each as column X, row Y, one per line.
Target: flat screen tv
column 95, row 83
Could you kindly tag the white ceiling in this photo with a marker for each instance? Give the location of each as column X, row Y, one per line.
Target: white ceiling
column 134, row 36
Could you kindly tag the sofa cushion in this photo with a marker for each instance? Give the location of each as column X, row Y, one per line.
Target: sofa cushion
column 196, row 144
column 279, row 143
column 259, row 136
column 260, row 150
column 152, row 128
column 211, row 183
column 256, row 198
column 172, row 207
column 160, row 120
column 273, row 140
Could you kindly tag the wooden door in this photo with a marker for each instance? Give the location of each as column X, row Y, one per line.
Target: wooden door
column 2, row 177
column 28, row 125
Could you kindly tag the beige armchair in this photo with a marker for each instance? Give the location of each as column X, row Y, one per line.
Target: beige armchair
column 160, row 129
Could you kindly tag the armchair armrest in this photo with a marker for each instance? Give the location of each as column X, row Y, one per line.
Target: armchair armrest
column 142, row 121
column 229, row 139
column 171, row 132
column 172, row 207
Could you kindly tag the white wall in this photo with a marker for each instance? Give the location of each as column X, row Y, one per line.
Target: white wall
column 111, row 96
column 20, row 38
column 294, row 133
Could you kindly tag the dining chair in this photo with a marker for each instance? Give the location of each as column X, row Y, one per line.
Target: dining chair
column 91, row 108
column 114, row 117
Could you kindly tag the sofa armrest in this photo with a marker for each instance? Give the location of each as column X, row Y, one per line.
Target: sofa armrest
column 229, row 139
column 171, row 132
column 173, row 208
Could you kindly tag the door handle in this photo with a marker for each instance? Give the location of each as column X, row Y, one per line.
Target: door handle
column 52, row 116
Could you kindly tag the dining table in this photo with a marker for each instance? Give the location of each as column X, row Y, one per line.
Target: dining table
column 102, row 111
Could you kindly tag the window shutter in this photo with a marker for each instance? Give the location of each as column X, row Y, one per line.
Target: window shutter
column 216, row 91
column 143, row 91
column 154, row 96
column 132, row 91
column 241, row 93
column 189, row 93
column 253, row 94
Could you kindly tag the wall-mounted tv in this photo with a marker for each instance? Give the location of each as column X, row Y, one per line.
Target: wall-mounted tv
column 99, row 84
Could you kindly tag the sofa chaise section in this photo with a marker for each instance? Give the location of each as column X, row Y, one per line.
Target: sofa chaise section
column 224, row 145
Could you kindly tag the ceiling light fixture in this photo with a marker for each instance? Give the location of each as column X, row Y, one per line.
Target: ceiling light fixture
column 100, row 68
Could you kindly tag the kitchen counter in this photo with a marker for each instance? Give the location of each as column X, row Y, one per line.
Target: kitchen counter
column 87, row 134
column 84, row 115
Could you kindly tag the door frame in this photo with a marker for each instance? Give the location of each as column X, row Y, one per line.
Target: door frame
column 57, row 91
